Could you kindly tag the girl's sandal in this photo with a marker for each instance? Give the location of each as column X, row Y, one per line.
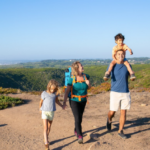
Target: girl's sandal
column 46, row 146
column 48, row 142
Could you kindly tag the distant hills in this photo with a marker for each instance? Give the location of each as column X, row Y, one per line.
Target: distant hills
column 66, row 63
column 36, row 79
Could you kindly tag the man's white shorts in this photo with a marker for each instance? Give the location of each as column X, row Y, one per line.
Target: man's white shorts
column 119, row 99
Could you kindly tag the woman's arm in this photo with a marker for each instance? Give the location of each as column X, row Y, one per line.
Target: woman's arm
column 58, row 102
column 66, row 95
column 88, row 83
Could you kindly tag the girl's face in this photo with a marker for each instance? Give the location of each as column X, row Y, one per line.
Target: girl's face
column 81, row 68
column 52, row 89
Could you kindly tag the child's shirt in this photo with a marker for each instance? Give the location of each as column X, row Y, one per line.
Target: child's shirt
column 48, row 101
column 115, row 48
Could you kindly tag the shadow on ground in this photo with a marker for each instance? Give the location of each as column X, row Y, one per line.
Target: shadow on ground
column 2, row 125
column 131, row 123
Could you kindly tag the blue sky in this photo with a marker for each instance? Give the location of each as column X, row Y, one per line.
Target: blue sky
column 66, row 29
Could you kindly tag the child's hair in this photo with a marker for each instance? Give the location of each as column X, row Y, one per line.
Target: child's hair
column 119, row 36
column 54, row 83
column 75, row 68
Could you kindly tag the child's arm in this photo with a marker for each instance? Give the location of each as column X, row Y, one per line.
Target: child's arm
column 114, row 54
column 57, row 101
column 41, row 102
column 127, row 48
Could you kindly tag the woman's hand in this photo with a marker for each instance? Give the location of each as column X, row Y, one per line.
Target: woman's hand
column 88, row 83
column 64, row 105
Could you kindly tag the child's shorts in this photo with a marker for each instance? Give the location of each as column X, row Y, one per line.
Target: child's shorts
column 125, row 59
column 49, row 115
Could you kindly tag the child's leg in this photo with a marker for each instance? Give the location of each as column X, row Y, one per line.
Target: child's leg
column 49, row 127
column 128, row 67
column 45, row 123
column 111, row 67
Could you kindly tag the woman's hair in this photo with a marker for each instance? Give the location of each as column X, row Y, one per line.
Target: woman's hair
column 52, row 83
column 75, row 68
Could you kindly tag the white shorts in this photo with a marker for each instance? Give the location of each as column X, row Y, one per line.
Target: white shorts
column 119, row 99
column 49, row 115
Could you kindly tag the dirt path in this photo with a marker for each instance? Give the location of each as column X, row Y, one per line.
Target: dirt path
column 21, row 127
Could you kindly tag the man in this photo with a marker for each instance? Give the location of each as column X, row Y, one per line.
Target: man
column 119, row 95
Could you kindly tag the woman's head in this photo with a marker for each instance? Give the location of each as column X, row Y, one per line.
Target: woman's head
column 77, row 68
column 52, row 86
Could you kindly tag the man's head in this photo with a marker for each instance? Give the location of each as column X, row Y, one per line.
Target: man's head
column 119, row 38
column 120, row 54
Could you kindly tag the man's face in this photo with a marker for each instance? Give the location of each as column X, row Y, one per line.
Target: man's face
column 120, row 56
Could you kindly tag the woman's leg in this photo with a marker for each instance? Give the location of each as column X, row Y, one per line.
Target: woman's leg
column 78, row 109
column 82, row 107
column 45, row 123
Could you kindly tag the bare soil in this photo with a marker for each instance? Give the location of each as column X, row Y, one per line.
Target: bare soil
column 21, row 127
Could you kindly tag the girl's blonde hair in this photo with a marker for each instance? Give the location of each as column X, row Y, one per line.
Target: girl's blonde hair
column 75, row 68
column 52, row 83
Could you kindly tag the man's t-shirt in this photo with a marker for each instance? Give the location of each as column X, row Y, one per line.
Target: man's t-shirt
column 119, row 79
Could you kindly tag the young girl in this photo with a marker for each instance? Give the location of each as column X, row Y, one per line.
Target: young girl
column 47, row 106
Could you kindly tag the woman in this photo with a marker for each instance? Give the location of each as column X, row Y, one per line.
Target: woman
column 78, row 85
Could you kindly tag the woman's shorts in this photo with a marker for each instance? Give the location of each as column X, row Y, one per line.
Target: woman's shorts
column 119, row 99
column 49, row 115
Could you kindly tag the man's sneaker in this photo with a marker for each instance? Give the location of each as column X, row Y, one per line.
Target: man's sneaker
column 80, row 139
column 75, row 133
column 132, row 77
column 108, row 125
column 106, row 77
column 121, row 134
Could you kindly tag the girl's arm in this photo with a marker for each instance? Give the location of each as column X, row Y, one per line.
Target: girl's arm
column 41, row 102
column 58, row 102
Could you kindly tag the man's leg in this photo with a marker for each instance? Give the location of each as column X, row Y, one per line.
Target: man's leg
column 110, row 116
column 122, row 120
column 121, row 125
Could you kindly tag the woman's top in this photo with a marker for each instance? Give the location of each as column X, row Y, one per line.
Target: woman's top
column 79, row 89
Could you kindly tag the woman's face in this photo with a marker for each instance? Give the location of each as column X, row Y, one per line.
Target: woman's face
column 80, row 68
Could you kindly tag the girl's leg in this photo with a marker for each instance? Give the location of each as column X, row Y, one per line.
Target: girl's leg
column 128, row 67
column 45, row 123
column 49, row 127
column 111, row 67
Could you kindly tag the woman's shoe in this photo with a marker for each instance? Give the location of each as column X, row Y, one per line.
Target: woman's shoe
column 80, row 139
